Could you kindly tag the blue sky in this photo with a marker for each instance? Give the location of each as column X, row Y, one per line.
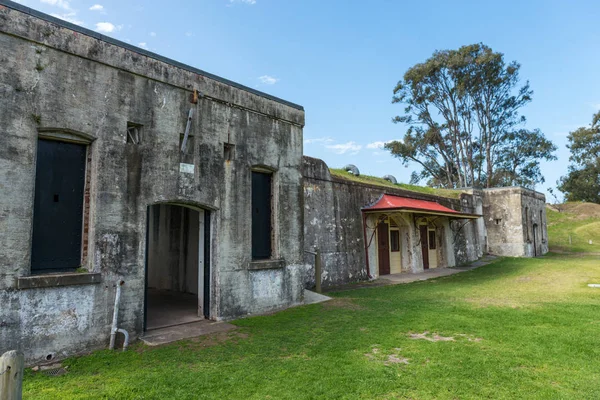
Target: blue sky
column 341, row 59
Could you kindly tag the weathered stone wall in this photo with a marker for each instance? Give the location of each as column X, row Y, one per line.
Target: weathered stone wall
column 510, row 216
column 53, row 77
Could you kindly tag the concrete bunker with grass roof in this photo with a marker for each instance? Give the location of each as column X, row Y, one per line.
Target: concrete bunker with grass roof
column 367, row 227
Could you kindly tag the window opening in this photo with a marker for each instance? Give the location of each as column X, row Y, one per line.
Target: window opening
column 432, row 243
column 134, row 133
column 58, row 206
column 228, row 151
column 394, row 240
column 261, row 215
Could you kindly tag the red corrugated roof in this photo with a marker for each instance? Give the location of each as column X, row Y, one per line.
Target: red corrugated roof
column 389, row 202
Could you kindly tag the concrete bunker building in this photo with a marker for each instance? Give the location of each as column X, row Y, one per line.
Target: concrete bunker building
column 117, row 164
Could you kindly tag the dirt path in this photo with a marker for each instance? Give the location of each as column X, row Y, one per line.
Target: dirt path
column 396, row 279
column 573, row 253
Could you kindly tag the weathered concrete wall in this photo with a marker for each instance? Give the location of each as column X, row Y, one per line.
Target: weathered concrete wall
column 469, row 236
column 535, row 228
column 55, row 77
column 333, row 222
column 510, row 216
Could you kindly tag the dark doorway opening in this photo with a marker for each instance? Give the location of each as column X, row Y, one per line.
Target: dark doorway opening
column 383, row 248
column 58, row 206
column 177, row 266
column 424, row 245
column 535, row 249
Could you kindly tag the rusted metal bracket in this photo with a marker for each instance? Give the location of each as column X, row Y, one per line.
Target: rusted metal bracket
column 187, row 130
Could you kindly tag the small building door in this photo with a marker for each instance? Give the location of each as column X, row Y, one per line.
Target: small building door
column 424, row 246
column 383, row 248
column 395, row 253
column 58, row 206
column 432, row 252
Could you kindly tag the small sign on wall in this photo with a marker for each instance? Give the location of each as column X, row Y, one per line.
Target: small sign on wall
column 186, row 168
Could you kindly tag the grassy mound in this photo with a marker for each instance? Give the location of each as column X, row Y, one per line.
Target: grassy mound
column 373, row 180
column 574, row 226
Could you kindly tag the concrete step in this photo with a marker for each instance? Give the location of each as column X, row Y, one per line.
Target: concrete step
column 156, row 337
column 311, row 297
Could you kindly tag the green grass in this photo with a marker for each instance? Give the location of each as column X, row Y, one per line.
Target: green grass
column 522, row 328
column 372, row 180
column 581, row 230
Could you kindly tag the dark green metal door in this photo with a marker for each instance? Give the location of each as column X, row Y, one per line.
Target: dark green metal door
column 58, row 206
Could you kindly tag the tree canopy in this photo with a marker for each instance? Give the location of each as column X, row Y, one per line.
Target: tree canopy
column 461, row 108
column 582, row 183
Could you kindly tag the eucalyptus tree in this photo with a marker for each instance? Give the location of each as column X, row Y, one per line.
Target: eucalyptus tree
column 582, row 183
column 461, row 109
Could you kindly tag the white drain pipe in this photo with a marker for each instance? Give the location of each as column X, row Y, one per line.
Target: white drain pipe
column 115, row 329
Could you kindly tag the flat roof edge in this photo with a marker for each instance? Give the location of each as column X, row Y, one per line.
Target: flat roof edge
column 107, row 39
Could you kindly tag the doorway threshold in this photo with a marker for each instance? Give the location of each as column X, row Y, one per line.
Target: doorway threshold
column 159, row 336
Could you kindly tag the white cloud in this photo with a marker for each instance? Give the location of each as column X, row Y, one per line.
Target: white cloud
column 189, row 34
column 375, row 145
column 143, row 45
column 153, row 34
column 249, row 2
column 96, row 7
column 268, row 80
column 58, row 3
column 379, row 144
column 69, row 17
column 343, row 148
column 107, row 27
column 318, row 140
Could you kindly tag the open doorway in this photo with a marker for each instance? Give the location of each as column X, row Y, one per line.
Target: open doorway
column 535, row 249
column 177, row 266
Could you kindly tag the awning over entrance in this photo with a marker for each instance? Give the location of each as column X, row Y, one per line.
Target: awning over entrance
column 388, row 203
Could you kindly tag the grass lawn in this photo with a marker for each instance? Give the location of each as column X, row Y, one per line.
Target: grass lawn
column 581, row 228
column 518, row 328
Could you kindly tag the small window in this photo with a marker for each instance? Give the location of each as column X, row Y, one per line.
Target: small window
column 134, row 133
column 228, row 150
column 432, row 243
column 498, row 221
column 261, row 215
column 394, row 240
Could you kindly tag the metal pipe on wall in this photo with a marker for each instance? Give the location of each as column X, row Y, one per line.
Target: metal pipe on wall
column 115, row 329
